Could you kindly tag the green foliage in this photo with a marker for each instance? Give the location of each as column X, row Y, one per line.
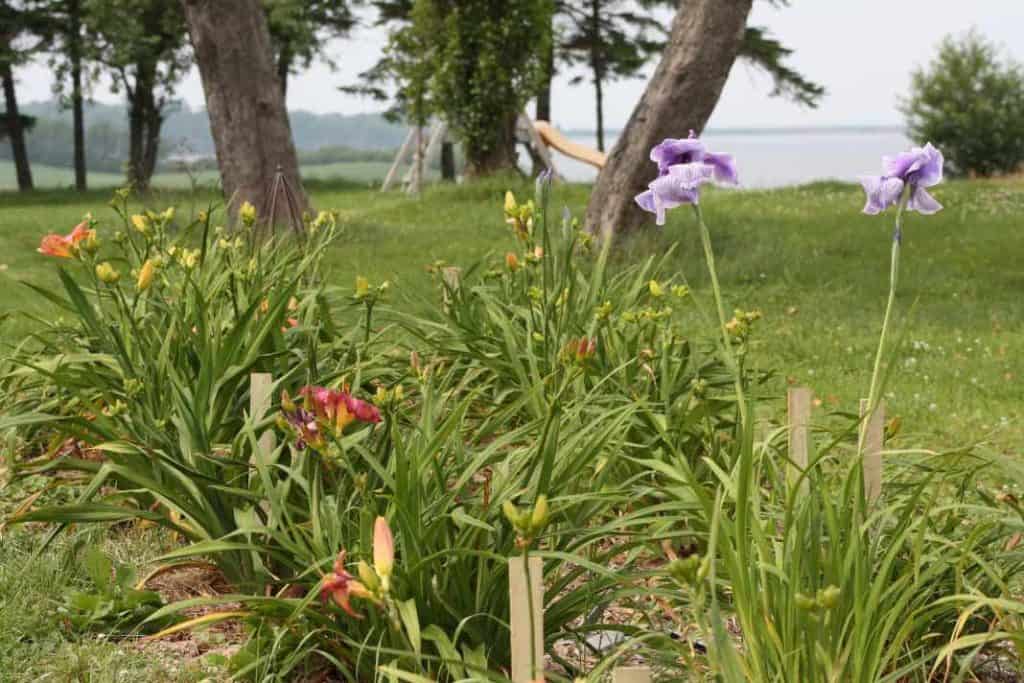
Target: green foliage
column 166, row 322
column 114, row 605
column 969, row 102
column 300, row 29
column 486, row 59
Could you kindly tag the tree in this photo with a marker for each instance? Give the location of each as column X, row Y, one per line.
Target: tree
column 969, row 103
column 143, row 44
column 487, row 58
column 244, row 99
column 301, row 29
column 705, row 39
column 20, row 38
column 615, row 39
column 612, row 38
column 69, row 44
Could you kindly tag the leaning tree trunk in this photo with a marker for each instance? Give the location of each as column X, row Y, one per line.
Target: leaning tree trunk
column 15, row 130
column 705, row 39
column 244, row 99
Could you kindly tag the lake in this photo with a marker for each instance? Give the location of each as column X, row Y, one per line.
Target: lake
column 782, row 157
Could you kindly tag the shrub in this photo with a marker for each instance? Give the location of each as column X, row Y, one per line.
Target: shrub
column 970, row 104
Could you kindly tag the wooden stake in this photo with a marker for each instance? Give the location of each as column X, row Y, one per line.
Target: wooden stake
column 403, row 151
column 260, row 385
column 798, row 401
column 526, row 650
column 526, row 123
column 417, row 164
column 873, row 439
column 631, row 674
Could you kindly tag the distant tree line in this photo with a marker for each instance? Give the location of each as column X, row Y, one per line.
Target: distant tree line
column 476, row 64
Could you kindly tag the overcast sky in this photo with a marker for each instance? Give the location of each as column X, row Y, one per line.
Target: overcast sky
column 861, row 50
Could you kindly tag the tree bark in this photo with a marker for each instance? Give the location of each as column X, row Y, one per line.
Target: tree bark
column 447, row 160
column 284, row 66
column 248, row 118
column 15, row 131
column 705, row 39
column 500, row 156
column 597, row 66
column 77, row 113
column 542, row 111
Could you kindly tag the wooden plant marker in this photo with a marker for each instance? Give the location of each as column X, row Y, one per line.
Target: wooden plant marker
column 631, row 674
column 798, row 402
column 260, row 385
column 523, row 650
column 872, row 438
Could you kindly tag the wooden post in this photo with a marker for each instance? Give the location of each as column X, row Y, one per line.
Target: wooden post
column 526, row 123
column 403, row 151
column 526, row 650
column 260, row 384
column 416, row 172
column 436, row 138
column 631, row 674
column 872, row 438
column 798, row 402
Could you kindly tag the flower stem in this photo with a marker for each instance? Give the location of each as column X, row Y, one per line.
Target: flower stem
column 730, row 357
column 894, row 272
column 529, row 607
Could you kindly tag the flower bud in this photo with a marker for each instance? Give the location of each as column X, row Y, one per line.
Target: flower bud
column 655, row 289
column 141, row 223
column 106, row 273
column 805, row 602
column 684, row 570
column 510, row 202
column 539, row 517
column 828, row 597
column 247, row 214
column 512, row 261
column 145, row 276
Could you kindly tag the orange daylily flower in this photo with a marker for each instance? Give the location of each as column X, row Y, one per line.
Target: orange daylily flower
column 63, row 246
column 55, row 245
column 341, row 586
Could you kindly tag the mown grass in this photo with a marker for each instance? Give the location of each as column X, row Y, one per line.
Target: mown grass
column 57, row 177
column 805, row 256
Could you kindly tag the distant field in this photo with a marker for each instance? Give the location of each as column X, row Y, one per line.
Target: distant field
column 52, row 177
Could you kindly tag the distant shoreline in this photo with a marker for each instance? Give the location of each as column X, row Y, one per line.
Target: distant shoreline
column 780, row 130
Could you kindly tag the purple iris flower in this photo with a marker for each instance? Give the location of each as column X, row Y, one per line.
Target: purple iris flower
column 684, row 165
column 915, row 170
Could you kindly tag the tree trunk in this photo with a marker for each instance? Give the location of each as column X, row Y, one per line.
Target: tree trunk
column 499, row 156
column 151, row 141
column 705, row 38
column 542, row 112
column 597, row 66
column 77, row 113
column 284, row 65
column 14, row 130
column 244, row 99
column 447, row 160
column 136, row 133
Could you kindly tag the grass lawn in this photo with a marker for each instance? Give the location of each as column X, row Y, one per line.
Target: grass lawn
column 54, row 177
column 815, row 266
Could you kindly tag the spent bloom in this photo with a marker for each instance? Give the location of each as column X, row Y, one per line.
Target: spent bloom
column 913, row 171
column 684, row 164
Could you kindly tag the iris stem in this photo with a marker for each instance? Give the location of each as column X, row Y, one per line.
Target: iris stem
column 894, row 273
column 529, row 608
column 730, row 357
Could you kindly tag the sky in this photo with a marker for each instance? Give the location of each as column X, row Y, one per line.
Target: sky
column 862, row 51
